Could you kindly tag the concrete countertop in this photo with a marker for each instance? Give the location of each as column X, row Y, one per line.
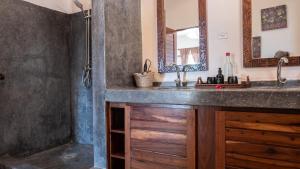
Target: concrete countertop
column 255, row 97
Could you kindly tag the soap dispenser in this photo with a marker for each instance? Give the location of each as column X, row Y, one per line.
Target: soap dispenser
column 220, row 77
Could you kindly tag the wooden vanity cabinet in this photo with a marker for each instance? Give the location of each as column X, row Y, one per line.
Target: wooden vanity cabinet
column 257, row 140
column 182, row 137
column 162, row 137
column 159, row 137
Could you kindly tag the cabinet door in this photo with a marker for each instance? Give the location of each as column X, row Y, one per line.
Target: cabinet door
column 254, row 140
column 162, row 137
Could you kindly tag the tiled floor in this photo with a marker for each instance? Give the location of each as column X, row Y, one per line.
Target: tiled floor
column 64, row 157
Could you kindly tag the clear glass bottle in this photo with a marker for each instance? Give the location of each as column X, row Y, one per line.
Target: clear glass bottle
column 228, row 67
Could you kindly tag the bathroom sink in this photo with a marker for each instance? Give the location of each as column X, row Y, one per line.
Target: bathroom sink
column 267, row 87
column 172, row 88
column 276, row 87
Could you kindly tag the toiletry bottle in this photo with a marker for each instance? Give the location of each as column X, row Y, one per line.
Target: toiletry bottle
column 220, row 77
column 228, row 67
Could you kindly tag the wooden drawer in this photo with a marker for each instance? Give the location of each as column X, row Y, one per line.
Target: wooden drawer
column 255, row 140
column 162, row 137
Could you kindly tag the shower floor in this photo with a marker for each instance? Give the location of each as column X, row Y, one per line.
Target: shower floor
column 69, row 156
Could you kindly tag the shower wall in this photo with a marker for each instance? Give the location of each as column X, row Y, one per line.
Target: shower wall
column 35, row 97
column 82, row 98
column 117, row 51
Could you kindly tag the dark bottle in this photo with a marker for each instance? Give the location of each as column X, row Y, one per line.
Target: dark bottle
column 220, row 77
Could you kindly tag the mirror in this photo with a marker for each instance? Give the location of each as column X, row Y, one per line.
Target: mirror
column 275, row 27
column 181, row 39
column 271, row 31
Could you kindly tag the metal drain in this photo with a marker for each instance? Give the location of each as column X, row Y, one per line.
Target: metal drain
column 69, row 156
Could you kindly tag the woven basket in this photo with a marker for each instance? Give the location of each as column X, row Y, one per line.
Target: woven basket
column 144, row 80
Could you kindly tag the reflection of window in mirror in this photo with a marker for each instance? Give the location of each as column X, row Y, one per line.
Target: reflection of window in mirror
column 182, row 32
column 275, row 27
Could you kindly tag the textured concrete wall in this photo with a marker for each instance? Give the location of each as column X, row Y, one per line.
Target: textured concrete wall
column 99, row 83
column 123, row 41
column 117, row 54
column 82, row 100
column 35, row 97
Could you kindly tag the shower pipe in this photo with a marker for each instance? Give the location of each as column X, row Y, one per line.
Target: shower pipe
column 87, row 69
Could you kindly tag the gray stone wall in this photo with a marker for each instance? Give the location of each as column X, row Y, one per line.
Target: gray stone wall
column 38, row 50
column 35, row 97
column 123, row 41
column 99, row 83
column 82, row 100
column 117, row 54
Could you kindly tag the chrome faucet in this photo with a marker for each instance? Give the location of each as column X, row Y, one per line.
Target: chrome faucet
column 178, row 80
column 280, row 80
column 185, row 70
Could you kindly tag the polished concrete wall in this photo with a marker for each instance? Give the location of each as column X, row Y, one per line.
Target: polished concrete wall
column 99, row 83
column 35, row 97
column 123, row 40
column 39, row 52
column 81, row 98
column 117, row 54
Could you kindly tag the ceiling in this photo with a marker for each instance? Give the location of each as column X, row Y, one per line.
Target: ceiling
column 66, row 6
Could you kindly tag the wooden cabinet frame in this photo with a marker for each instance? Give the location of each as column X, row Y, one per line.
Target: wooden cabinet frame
column 123, row 156
column 257, row 139
column 213, row 136
column 190, row 159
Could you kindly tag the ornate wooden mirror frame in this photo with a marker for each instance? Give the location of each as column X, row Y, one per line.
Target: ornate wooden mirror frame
column 247, row 43
column 161, row 30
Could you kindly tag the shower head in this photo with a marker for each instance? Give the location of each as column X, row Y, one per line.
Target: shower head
column 80, row 6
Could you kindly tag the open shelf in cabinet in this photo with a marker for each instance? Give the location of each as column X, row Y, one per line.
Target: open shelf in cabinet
column 117, row 163
column 117, row 144
column 117, row 119
column 116, row 132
